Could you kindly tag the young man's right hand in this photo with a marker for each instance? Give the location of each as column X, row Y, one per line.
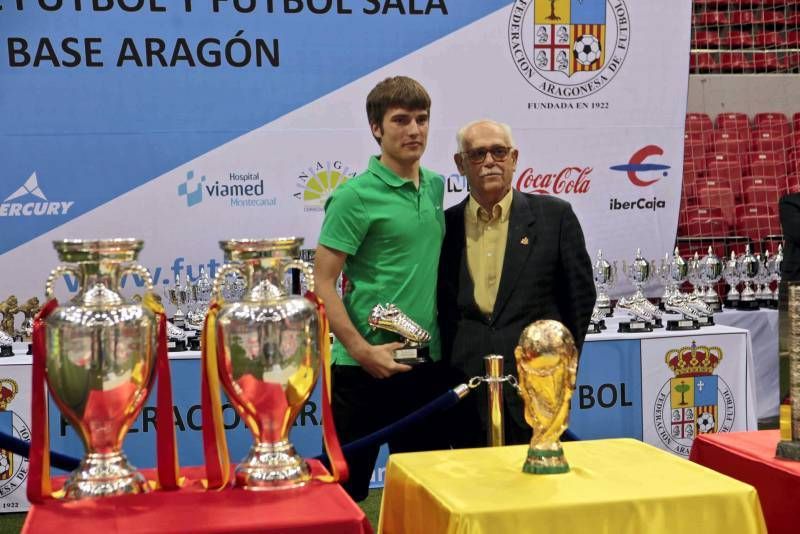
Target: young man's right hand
column 378, row 360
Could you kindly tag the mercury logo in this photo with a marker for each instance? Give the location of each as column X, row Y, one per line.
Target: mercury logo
column 40, row 208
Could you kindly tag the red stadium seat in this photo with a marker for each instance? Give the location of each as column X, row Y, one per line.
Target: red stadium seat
column 743, row 210
column 698, row 122
column 767, row 39
column 761, row 196
column 727, row 171
column 772, row 121
column 694, row 149
column 711, row 226
column 791, row 184
column 721, row 197
column 706, row 39
column 768, row 164
column 702, row 62
column 768, row 140
column 757, row 226
column 737, row 39
column 768, row 62
column 711, row 18
column 743, row 17
column 793, row 20
column 761, row 181
column 734, row 62
column 770, row 17
column 733, row 121
column 792, row 38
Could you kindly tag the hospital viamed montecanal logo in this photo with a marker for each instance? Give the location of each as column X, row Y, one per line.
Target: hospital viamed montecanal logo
column 569, row 49
column 695, row 401
column 316, row 183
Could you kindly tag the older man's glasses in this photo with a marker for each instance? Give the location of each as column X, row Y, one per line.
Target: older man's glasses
column 478, row 155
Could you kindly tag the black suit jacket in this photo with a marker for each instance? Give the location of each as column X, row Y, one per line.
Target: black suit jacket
column 790, row 224
column 547, row 274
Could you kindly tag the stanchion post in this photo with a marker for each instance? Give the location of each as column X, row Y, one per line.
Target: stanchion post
column 494, row 371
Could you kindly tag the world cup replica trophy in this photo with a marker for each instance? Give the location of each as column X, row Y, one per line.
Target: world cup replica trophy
column 269, row 358
column 547, row 365
column 100, row 360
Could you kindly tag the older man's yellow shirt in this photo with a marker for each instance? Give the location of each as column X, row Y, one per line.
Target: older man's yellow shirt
column 486, row 247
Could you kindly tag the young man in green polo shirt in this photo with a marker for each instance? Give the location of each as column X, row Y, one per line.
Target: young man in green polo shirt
column 384, row 230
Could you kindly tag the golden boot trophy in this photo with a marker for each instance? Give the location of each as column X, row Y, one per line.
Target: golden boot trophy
column 547, row 364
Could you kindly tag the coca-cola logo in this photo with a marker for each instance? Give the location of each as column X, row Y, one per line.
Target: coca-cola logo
column 569, row 180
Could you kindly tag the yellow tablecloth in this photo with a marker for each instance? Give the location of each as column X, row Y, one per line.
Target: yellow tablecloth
column 614, row 486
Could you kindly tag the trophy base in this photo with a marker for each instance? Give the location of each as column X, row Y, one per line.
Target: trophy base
column 596, row 328
column 545, row 462
column 748, row 305
column 631, row 327
column 412, row 356
column 788, row 450
column 6, row 351
column 706, row 321
column 731, row 303
column 104, row 475
column 176, row 345
column 657, row 322
column 773, row 304
column 715, row 306
column 29, row 352
column 193, row 342
column 272, row 466
column 683, row 324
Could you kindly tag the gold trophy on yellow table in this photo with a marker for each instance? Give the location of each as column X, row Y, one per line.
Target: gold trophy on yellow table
column 547, row 364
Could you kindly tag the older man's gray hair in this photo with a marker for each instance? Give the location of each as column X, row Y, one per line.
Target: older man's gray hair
column 461, row 132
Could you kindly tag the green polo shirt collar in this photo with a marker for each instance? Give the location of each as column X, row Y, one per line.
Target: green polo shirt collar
column 388, row 176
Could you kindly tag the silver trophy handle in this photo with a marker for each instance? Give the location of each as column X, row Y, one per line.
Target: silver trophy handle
column 61, row 270
column 139, row 270
column 223, row 272
column 304, row 267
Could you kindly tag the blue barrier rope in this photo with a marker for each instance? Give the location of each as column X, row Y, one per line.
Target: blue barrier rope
column 446, row 400
column 22, row 448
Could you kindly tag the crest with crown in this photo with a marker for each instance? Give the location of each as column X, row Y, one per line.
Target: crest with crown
column 8, row 390
column 696, row 360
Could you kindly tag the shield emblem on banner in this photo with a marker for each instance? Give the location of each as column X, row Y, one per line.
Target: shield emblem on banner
column 695, row 401
column 569, row 35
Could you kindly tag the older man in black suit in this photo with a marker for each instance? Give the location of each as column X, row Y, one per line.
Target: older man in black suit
column 508, row 259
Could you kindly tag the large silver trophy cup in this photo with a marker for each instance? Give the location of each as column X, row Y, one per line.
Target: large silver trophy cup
column 100, row 358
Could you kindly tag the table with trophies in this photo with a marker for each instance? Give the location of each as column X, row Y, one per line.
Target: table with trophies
column 97, row 356
column 638, row 351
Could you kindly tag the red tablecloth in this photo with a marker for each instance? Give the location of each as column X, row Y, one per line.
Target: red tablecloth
column 318, row 507
column 750, row 457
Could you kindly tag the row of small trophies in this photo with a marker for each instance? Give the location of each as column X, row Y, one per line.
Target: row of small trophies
column 753, row 273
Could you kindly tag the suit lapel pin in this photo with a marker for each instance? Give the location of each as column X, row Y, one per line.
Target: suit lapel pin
column 524, row 241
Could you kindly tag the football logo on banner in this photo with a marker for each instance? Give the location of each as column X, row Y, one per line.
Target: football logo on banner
column 569, row 48
column 695, row 401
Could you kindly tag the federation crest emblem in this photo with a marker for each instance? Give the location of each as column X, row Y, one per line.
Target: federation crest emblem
column 13, row 468
column 689, row 404
column 569, row 48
